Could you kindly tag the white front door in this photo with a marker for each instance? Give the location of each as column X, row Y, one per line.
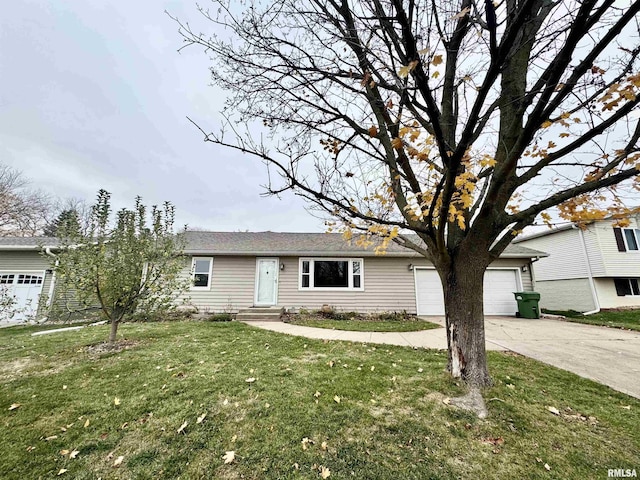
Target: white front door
column 266, row 281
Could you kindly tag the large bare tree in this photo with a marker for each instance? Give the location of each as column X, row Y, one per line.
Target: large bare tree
column 463, row 121
column 23, row 210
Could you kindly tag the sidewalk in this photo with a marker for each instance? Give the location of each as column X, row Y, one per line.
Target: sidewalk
column 434, row 338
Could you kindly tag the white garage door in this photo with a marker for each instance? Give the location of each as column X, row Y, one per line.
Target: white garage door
column 499, row 286
column 20, row 294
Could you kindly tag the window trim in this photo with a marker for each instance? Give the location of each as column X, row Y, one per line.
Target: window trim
column 349, row 260
column 193, row 272
column 637, row 237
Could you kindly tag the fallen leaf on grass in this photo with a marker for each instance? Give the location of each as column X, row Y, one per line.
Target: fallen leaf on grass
column 317, row 395
column 373, row 368
column 324, row 472
column 14, row 406
column 554, row 410
column 229, row 457
column 64, row 452
column 116, row 401
column 52, row 437
column 64, row 387
column 201, row 418
column 446, row 401
column 493, row 441
column 118, row 461
column 250, row 380
column 420, row 370
column 547, row 467
column 234, row 438
column 331, row 363
column 62, row 470
column 305, row 443
column 511, row 386
column 182, row 427
column 626, row 407
column 336, row 399
column 324, row 445
column 87, row 423
column 74, row 454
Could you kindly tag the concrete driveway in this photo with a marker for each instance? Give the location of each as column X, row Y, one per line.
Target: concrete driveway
column 607, row 355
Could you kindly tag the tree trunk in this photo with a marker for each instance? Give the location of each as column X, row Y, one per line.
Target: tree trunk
column 464, row 310
column 114, row 330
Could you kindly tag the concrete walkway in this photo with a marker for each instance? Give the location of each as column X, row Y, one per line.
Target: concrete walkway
column 607, row 355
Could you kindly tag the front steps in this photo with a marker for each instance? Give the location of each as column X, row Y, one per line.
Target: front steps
column 260, row 314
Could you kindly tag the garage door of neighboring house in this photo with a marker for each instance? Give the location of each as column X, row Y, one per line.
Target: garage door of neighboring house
column 499, row 285
column 25, row 288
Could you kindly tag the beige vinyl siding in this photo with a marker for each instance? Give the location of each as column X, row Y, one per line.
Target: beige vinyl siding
column 29, row 261
column 617, row 264
column 566, row 256
column 388, row 287
column 608, row 297
column 571, row 294
column 231, row 288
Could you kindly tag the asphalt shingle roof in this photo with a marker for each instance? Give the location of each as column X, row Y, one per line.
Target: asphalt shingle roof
column 274, row 243
column 266, row 244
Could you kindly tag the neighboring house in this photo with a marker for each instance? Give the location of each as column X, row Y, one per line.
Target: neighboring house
column 26, row 275
column 236, row 270
column 590, row 269
column 232, row 271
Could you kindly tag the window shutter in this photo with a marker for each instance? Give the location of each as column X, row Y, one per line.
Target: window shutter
column 619, row 240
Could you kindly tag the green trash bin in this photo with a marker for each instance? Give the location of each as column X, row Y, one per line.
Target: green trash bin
column 528, row 304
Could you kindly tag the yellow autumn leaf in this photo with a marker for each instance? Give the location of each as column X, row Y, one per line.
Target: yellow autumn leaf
column 461, row 14
column 437, row 60
column 87, row 423
column 435, row 74
column 116, row 401
column 250, row 380
column 546, row 124
column 14, row 406
column 403, row 72
column 64, row 452
column 229, row 456
column 324, row 445
column 74, row 454
column 182, row 427
column 396, row 143
column 201, row 418
column 317, row 394
column 336, row 399
column 324, row 472
column 118, row 461
column 62, row 470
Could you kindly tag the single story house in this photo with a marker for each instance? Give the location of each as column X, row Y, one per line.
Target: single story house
column 588, row 269
column 232, row 271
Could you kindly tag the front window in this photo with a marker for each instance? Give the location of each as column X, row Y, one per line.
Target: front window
column 331, row 273
column 632, row 239
column 201, row 272
column 627, row 286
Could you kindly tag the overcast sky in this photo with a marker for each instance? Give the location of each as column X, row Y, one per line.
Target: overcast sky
column 93, row 94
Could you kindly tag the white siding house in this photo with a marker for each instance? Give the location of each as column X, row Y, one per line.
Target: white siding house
column 588, row 269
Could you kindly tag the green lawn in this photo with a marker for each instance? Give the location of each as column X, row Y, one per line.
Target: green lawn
column 359, row 325
column 390, row 422
column 629, row 319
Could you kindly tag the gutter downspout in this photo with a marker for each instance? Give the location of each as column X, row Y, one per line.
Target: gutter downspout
column 592, row 285
column 52, row 287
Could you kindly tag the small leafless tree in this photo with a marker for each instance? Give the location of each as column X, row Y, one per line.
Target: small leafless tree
column 23, row 210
